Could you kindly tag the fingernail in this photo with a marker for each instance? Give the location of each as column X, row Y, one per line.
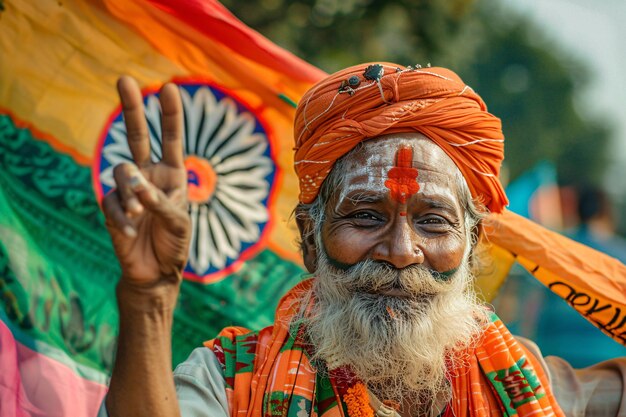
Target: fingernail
column 137, row 181
column 130, row 231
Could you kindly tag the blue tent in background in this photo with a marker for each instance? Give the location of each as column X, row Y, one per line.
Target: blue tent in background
column 535, row 195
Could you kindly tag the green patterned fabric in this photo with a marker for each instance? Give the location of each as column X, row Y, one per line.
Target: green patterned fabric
column 516, row 385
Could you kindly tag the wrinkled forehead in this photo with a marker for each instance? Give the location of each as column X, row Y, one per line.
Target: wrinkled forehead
column 368, row 165
column 383, row 149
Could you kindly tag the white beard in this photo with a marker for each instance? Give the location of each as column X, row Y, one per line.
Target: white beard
column 402, row 347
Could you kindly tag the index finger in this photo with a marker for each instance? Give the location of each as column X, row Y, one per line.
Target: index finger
column 172, row 126
column 134, row 119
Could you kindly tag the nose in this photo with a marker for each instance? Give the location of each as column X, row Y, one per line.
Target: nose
column 400, row 246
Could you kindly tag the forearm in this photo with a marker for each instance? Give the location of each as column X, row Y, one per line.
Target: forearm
column 142, row 382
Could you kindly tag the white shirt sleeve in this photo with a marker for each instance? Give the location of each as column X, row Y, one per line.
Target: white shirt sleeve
column 200, row 386
column 596, row 391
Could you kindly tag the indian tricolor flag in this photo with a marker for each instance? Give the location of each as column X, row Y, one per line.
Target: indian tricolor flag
column 61, row 132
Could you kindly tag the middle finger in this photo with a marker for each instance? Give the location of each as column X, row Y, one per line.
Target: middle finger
column 172, row 126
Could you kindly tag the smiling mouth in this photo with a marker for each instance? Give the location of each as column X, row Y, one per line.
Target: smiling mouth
column 394, row 292
column 389, row 292
column 402, row 294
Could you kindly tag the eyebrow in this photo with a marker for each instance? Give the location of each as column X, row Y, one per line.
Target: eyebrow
column 362, row 195
column 369, row 196
column 439, row 203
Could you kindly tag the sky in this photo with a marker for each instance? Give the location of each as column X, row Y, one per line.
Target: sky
column 594, row 31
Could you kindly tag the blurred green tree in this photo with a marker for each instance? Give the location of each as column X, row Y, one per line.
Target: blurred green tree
column 534, row 87
column 526, row 80
column 333, row 34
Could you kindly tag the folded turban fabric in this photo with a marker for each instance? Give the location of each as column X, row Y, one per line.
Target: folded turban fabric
column 370, row 100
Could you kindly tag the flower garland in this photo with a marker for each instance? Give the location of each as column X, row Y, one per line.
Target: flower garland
column 357, row 401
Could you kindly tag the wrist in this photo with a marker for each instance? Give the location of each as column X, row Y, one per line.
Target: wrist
column 159, row 296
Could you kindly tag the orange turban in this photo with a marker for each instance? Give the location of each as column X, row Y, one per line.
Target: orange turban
column 369, row 100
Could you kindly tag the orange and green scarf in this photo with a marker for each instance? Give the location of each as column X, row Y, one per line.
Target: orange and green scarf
column 268, row 373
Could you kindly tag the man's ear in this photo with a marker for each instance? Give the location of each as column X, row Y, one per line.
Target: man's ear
column 477, row 232
column 307, row 240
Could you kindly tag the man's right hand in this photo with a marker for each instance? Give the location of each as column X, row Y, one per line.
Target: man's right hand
column 147, row 218
column 146, row 214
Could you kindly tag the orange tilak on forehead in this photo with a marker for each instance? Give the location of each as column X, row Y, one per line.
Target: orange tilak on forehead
column 402, row 178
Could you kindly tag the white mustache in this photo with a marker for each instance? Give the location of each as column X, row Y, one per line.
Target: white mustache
column 375, row 277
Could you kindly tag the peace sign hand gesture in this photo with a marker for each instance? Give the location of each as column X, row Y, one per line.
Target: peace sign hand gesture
column 147, row 214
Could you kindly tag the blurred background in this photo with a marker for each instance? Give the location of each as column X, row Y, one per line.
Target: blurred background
column 552, row 70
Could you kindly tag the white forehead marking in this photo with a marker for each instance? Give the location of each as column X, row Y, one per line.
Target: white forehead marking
column 374, row 172
column 380, row 157
column 375, row 169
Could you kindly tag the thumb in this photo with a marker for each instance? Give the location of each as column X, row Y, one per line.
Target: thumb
column 154, row 200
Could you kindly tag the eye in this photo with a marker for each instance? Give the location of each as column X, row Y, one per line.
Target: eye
column 434, row 220
column 365, row 215
column 435, row 223
column 365, row 218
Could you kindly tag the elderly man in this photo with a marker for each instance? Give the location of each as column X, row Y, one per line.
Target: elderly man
column 397, row 168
